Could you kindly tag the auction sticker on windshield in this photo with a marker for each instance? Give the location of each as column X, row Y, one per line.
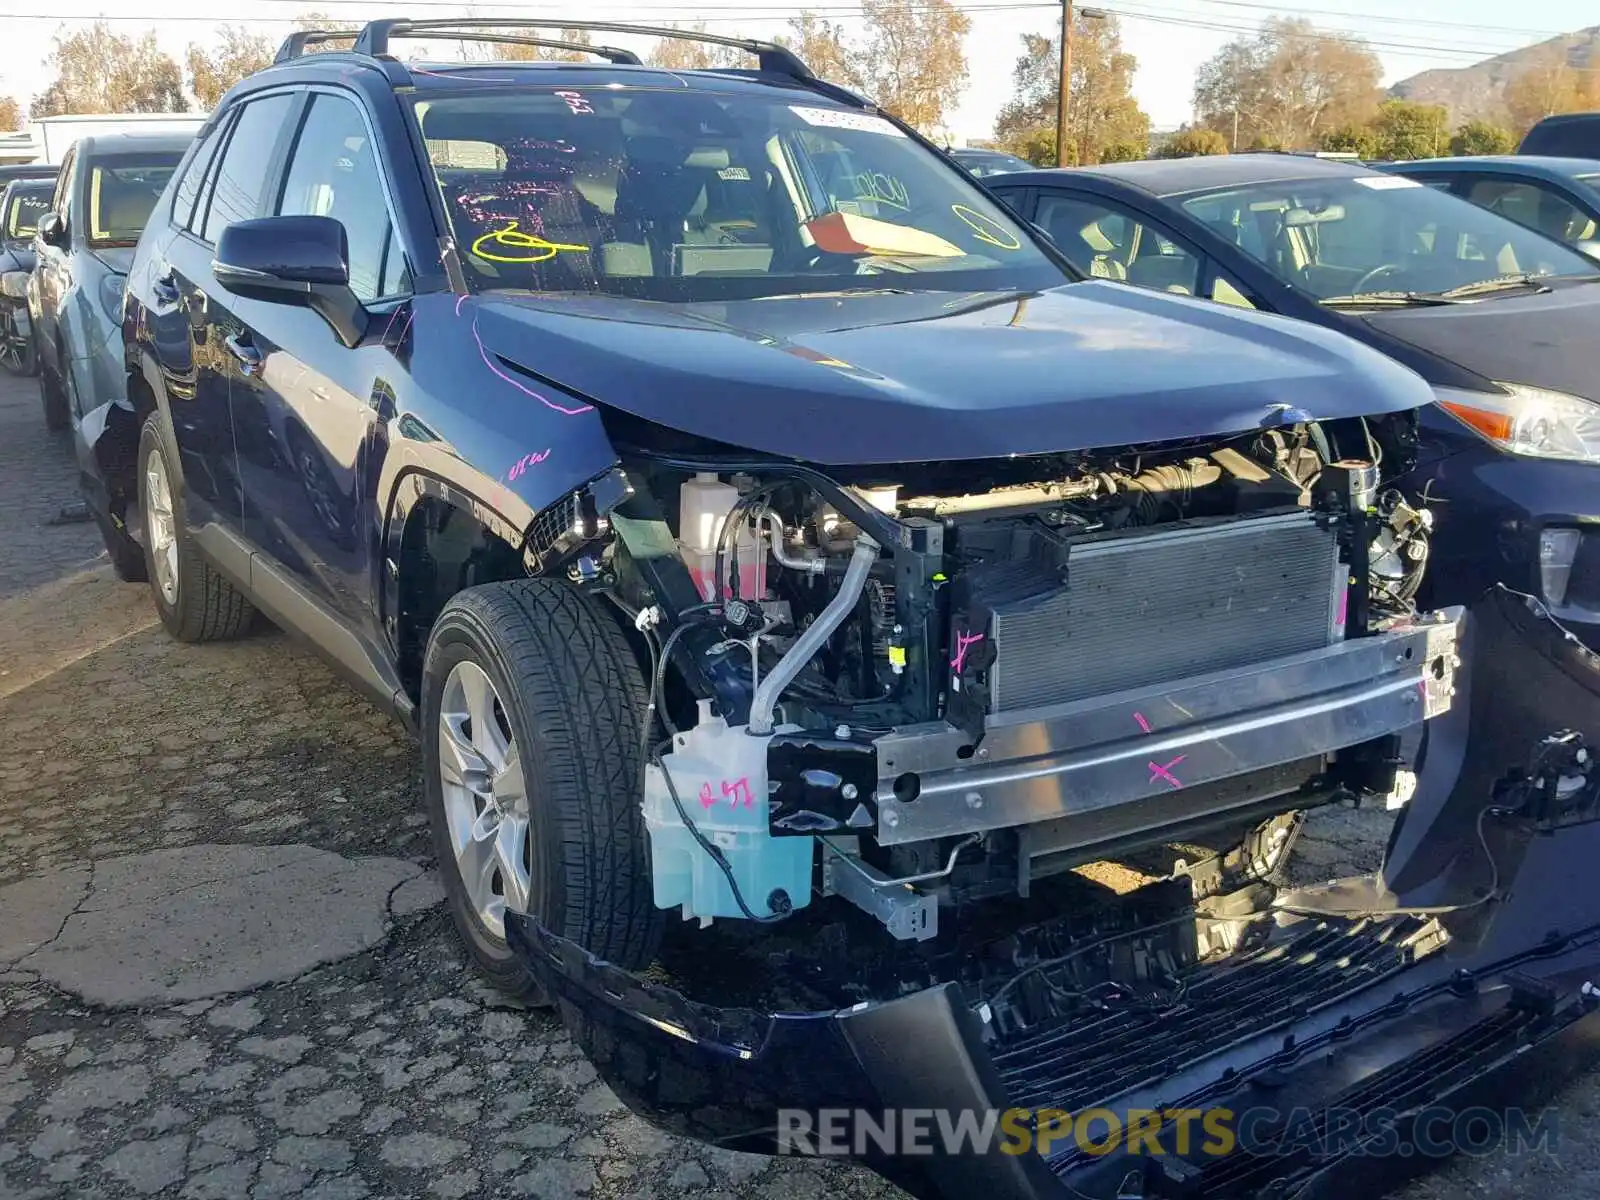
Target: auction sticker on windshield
column 1385, row 183
column 838, row 118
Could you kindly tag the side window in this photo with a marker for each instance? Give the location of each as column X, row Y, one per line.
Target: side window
column 241, row 177
column 199, row 163
column 1225, row 291
column 334, row 173
column 1536, row 207
column 1106, row 242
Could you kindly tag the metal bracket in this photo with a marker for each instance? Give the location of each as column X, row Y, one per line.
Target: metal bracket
column 905, row 912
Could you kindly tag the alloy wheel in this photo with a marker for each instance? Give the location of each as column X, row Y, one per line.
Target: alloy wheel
column 485, row 797
column 161, row 533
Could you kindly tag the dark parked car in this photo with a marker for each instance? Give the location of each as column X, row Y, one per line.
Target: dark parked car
column 106, row 189
column 1573, row 135
column 761, row 527
column 27, row 171
column 1504, row 322
column 1560, row 197
column 22, row 203
column 983, row 163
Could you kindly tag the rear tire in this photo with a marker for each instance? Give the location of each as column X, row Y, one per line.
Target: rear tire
column 567, row 696
column 195, row 602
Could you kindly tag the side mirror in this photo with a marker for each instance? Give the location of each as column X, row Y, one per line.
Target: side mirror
column 293, row 260
column 52, row 230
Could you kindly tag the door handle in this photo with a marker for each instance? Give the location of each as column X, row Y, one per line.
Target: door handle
column 240, row 347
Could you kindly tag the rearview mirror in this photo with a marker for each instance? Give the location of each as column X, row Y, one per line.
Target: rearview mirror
column 292, row 260
column 53, row 229
column 1294, row 218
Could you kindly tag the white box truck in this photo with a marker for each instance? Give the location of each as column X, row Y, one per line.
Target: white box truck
column 54, row 135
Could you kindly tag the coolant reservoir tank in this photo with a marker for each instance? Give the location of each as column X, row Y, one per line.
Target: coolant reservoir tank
column 704, row 503
column 720, row 775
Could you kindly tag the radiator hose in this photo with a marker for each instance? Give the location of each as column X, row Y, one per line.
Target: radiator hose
column 815, row 637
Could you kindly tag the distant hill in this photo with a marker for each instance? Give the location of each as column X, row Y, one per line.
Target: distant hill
column 1474, row 93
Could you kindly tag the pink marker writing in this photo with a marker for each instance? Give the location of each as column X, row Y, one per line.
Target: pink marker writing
column 1157, row 771
column 964, row 642
column 526, row 461
column 738, row 792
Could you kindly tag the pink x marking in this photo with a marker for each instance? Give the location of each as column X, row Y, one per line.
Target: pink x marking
column 1157, row 771
column 964, row 642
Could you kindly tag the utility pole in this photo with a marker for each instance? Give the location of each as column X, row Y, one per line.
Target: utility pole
column 1064, row 98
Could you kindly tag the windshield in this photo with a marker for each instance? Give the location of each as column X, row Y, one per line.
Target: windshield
column 983, row 165
column 122, row 192
column 1348, row 236
column 695, row 195
column 24, row 211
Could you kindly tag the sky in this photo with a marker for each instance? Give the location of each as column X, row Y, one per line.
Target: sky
column 1170, row 38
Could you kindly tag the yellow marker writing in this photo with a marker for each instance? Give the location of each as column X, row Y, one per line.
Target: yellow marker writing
column 986, row 229
column 535, row 249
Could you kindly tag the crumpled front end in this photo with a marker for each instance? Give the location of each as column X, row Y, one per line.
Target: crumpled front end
column 1206, row 1035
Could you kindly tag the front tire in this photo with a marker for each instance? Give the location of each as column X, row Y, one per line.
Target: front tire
column 531, row 710
column 195, row 602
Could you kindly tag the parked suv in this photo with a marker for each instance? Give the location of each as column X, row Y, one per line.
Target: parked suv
column 106, row 189
column 760, row 526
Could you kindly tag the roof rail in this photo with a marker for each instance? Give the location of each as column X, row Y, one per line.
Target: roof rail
column 609, row 53
column 374, row 39
column 294, row 46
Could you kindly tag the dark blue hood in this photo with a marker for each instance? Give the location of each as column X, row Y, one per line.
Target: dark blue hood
column 882, row 377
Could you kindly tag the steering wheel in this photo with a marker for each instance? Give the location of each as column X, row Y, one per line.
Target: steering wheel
column 1382, row 270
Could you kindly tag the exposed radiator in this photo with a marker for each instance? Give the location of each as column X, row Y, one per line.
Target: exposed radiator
column 1150, row 607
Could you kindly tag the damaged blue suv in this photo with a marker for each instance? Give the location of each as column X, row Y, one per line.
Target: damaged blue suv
column 793, row 571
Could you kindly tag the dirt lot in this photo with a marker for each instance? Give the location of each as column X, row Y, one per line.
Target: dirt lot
column 356, row 1056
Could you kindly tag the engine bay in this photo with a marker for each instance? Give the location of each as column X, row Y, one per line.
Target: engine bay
column 923, row 687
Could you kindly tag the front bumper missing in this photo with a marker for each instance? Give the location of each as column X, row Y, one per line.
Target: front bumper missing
column 1091, row 755
column 1366, row 1023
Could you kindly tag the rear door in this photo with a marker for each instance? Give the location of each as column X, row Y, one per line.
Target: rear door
column 303, row 401
column 53, row 268
column 196, row 322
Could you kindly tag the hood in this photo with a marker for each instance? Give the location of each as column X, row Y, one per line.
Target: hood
column 1550, row 340
column 879, row 377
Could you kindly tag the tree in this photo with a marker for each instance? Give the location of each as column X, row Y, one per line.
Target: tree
column 1547, row 85
column 1360, row 140
column 1287, row 85
column 1192, row 143
column 1404, row 129
column 98, row 71
column 677, row 54
column 821, row 46
column 1101, row 109
column 10, row 113
column 1482, row 137
column 239, row 53
column 914, row 58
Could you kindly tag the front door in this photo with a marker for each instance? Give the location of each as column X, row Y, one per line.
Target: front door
column 304, row 402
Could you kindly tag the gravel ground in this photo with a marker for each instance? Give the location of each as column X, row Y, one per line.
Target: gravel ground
column 388, row 1073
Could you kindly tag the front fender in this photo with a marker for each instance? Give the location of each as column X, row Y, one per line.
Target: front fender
column 505, row 444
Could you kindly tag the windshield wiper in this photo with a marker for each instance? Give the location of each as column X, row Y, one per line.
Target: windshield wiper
column 1373, row 299
column 1498, row 284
